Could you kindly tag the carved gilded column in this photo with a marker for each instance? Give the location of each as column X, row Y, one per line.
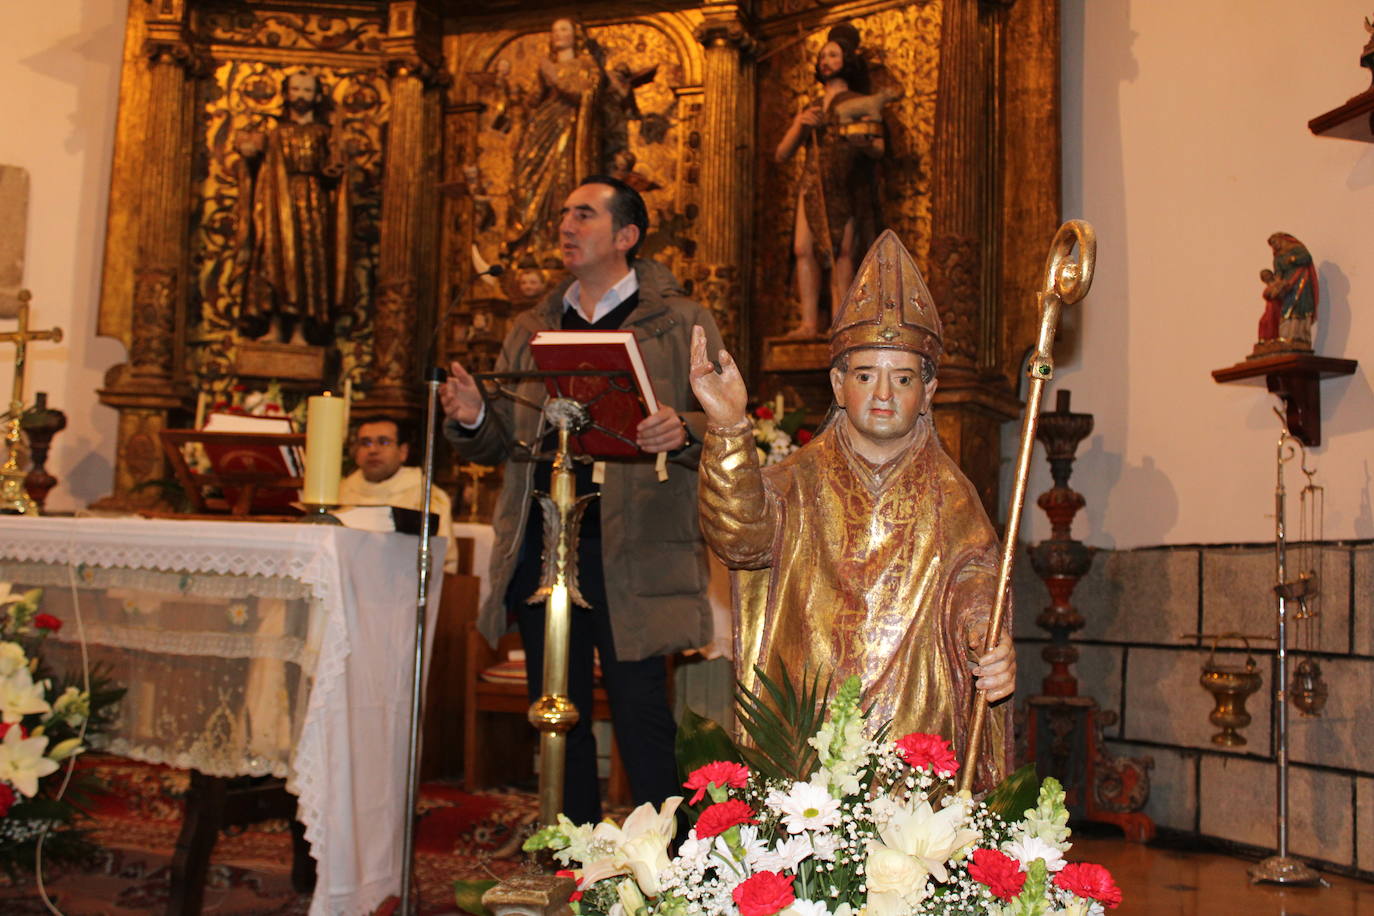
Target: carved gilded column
column 150, row 384
column 408, row 259
column 974, row 398
column 726, row 186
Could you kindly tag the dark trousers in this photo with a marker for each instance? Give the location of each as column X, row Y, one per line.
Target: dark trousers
column 638, row 692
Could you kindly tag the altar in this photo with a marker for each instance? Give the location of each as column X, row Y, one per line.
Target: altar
column 250, row 649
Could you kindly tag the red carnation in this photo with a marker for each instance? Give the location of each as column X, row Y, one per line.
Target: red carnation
column 930, row 751
column 47, row 622
column 999, row 871
column 6, row 726
column 763, row 893
column 569, row 873
column 6, row 798
column 804, row 436
column 721, row 772
column 1088, row 880
column 720, row 817
column 764, row 413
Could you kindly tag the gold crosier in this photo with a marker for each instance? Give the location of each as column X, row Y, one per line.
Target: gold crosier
column 1066, row 282
column 13, row 497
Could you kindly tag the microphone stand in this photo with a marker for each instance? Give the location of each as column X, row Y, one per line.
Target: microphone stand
column 434, row 377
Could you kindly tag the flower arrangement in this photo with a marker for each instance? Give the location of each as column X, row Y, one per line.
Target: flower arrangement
column 860, row 826
column 777, row 431
column 44, row 722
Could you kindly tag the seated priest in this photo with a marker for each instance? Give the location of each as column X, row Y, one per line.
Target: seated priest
column 866, row 552
column 380, row 449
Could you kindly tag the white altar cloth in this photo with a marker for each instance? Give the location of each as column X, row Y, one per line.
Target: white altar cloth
column 320, row 622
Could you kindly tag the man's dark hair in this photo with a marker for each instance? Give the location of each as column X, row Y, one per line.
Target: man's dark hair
column 627, row 209
column 928, row 366
column 403, row 431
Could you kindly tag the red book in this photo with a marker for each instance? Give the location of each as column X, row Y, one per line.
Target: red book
column 268, row 459
column 616, row 403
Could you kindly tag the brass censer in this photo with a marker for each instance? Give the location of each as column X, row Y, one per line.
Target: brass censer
column 1230, row 686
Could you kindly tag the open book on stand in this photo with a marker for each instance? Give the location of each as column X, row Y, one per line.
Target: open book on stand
column 617, row 403
column 268, row 459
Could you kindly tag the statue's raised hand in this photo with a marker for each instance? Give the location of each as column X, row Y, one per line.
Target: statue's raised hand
column 721, row 394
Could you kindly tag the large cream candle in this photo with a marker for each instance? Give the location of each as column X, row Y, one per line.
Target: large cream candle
column 324, row 438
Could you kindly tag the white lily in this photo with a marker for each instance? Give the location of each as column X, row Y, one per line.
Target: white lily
column 929, row 837
column 22, row 762
column 640, row 847
column 12, row 658
column 20, row 696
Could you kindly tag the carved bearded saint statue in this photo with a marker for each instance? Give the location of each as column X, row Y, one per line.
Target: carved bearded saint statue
column 866, row 552
column 293, row 221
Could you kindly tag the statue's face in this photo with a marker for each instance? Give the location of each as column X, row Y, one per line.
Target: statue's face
column 561, row 34
column 830, row 61
column 530, row 283
column 377, row 452
column 882, row 392
column 302, row 90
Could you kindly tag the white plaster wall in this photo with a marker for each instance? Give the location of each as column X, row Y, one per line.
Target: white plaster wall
column 59, row 69
column 1186, row 144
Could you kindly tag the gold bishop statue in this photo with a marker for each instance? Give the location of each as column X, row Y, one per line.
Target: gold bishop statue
column 866, row 552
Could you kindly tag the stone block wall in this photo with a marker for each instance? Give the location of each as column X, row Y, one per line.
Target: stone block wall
column 1136, row 661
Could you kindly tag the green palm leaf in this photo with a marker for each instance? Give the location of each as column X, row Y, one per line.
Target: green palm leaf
column 779, row 720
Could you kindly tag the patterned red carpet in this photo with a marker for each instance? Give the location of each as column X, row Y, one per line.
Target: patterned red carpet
column 460, row 836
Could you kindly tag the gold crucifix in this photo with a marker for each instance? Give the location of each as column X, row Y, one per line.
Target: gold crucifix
column 14, row 500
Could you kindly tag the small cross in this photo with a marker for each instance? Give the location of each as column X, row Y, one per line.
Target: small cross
column 20, row 338
column 12, row 496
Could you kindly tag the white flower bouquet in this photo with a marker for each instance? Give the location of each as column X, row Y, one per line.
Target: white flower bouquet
column 860, row 826
column 43, row 722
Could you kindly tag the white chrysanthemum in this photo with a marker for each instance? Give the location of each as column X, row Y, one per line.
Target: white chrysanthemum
column 750, row 841
column 806, row 806
column 785, row 855
column 825, row 846
column 1027, row 849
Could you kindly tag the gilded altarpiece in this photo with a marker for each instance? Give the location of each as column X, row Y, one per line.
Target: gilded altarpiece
column 641, row 119
column 437, row 111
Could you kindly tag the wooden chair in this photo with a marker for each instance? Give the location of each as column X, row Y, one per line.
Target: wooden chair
column 497, row 736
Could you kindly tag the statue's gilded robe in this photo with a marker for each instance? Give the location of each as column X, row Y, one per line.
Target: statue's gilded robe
column 860, row 569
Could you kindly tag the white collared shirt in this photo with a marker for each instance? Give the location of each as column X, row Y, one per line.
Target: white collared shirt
column 624, row 289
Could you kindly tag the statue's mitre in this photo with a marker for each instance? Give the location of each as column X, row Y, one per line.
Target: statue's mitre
column 888, row 305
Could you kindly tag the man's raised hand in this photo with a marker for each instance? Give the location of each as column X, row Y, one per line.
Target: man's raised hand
column 721, row 394
column 461, row 396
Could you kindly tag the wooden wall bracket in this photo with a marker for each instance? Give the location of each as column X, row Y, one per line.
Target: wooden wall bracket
column 1293, row 377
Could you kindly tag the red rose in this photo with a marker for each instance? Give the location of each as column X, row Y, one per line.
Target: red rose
column 804, row 436
column 569, row 873
column 1088, row 880
column 764, row 893
column 764, row 413
column 930, row 751
column 6, row 798
column 721, row 772
column 47, row 622
column 720, row 817
column 999, row 871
